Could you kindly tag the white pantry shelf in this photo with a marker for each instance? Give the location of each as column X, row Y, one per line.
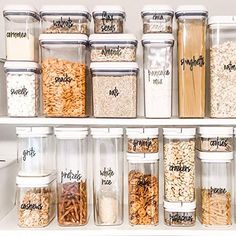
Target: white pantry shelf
column 116, row 122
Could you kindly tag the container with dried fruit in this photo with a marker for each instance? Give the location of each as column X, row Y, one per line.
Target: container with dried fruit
column 157, row 19
column 36, row 200
column 65, row 19
column 143, row 189
column 142, row 140
column 215, row 139
column 35, row 147
column 114, row 89
column 108, row 19
column 64, row 74
column 71, row 153
column 108, row 157
column 179, row 164
column 180, row 214
column 113, row 47
column 222, row 34
column 216, row 188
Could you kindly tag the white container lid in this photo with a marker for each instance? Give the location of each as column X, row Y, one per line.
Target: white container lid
column 191, row 10
column 142, row 157
column 180, row 206
column 114, row 66
column 6, row 161
column 155, row 9
column 33, row 181
column 158, row 38
column 215, row 156
column 179, row 133
column 114, row 38
column 70, row 133
column 107, row 132
column 215, row 131
column 24, row 132
column 111, row 9
column 224, row 20
column 142, row 132
column 21, row 66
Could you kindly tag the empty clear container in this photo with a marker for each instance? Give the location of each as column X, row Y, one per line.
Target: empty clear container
column 113, row 47
column 157, row 19
column 64, row 74
column 108, row 158
column 22, row 26
column 35, row 151
column 114, row 89
column 65, row 19
column 72, row 184
column 108, row 19
column 143, row 189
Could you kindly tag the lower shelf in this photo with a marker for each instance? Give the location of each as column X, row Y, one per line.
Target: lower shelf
column 8, row 227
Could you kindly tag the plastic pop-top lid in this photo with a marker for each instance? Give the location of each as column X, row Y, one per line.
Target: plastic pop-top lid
column 215, row 156
column 141, row 132
column 142, row 157
column 191, row 10
column 209, row 131
column 107, row 132
column 71, row 133
column 179, row 132
column 154, row 9
column 115, row 38
column 158, row 38
column 226, row 20
column 35, row 181
column 180, row 206
column 111, row 9
column 33, row 131
column 114, row 66
column 21, row 66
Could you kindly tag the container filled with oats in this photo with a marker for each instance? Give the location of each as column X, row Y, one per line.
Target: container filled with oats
column 222, row 32
column 65, row 19
column 179, row 164
column 64, row 74
column 143, row 188
column 36, row 200
column 113, row 47
column 142, row 140
column 114, row 89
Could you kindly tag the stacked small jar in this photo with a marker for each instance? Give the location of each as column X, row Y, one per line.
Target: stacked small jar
column 143, row 176
column 21, row 68
column 63, row 42
column 158, row 43
column 114, row 69
column 179, row 176
column 215, row 154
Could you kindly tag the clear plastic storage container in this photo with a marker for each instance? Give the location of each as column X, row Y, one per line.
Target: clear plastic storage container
column 142, row 140
column 72, row 185
column 158, row 73
column 36, row 200
column 108, row 19
column 22, row 79
column 215, row 139
column 35, row 151
column 113, row 47
column 180, row 214
column 157, row 19
column 114, row 89
column 22, row 26
column 191, row 35
column 179, row 164
column 108, row 158
column 65, row 19
column 143, row 189
column 222, row 34
column 216, row 188
column 64, row 74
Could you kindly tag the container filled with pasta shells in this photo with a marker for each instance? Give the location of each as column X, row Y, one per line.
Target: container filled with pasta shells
column 216, row 188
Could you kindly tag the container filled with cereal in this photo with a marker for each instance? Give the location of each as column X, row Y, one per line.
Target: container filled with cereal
column 64, row 74
column 216, row 188
column 65, row 19
column 113, row 47
column 142, row 140
column 143, row 189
